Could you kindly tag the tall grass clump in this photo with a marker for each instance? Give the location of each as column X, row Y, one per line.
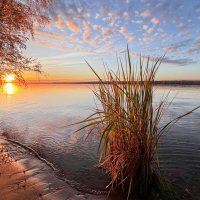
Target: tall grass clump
column 129, row 124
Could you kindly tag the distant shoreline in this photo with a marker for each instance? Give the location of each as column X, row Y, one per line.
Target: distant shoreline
column 183, row 82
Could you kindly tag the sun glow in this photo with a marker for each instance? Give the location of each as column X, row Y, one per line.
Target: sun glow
column 9, row 88
column 9, row 78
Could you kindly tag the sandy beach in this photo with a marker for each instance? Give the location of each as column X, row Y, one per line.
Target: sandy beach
column 25, row 177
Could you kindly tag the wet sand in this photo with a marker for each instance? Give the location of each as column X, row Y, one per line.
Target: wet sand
column 23, row 176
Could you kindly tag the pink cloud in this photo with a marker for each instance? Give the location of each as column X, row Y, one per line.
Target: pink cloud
column 73, row 38
column 126, row 34
column 150, row 30
column 146, row 14
column 155, row 20
column 48, row 34
column 87, row 31
column 145, row 27
column 60, row 23
column 73, row 26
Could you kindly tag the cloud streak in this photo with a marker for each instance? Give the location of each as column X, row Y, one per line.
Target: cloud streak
column 48, row 34
column 167, row 60
column 59, row 23
column 73, row 26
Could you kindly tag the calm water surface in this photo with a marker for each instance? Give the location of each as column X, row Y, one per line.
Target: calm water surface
column 39, row 115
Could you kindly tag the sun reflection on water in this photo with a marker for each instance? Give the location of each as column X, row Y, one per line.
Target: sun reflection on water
column 9, row 89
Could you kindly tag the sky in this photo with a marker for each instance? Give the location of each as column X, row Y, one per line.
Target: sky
column 99, row 30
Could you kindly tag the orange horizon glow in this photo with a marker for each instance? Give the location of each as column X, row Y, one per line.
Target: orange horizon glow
column 61, row 77
column 88, row 76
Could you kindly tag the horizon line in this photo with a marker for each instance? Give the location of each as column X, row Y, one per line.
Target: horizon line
column 186, row 82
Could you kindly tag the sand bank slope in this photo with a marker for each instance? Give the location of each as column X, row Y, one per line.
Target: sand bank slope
column 24, row 177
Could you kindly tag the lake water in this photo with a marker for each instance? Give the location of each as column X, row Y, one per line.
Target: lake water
column 39, row 116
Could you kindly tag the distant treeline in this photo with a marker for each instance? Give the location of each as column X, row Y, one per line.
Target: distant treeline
column 177, row 82
column 183, row 82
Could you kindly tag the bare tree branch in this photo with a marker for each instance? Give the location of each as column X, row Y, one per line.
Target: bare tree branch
column 17, row 18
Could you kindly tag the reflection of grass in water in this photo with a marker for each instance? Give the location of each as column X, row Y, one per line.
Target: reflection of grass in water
column 130, row 128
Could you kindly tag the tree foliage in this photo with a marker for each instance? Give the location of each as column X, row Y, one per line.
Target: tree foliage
column 17, row 19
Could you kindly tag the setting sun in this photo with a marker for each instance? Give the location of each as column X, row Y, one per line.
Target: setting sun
column 9, row 88
column 9, row 78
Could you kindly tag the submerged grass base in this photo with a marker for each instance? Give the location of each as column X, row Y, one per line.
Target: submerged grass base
column 159, row 189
